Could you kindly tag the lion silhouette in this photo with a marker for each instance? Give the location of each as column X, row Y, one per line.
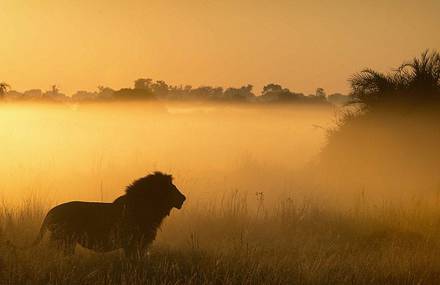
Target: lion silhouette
column 130, row 222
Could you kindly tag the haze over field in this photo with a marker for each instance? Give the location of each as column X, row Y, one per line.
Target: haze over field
column 85, row 152
column 219, row 142
column 260, row 206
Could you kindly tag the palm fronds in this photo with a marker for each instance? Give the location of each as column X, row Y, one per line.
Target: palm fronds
column 416, row 80
column 422, row 74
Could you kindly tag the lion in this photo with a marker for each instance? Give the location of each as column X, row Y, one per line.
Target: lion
column 129, row 223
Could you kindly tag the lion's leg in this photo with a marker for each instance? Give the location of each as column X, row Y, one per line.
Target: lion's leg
column 130, row 252
column 64, row 243
column 137, row 250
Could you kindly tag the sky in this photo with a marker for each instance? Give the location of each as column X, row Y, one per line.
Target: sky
column 302, row 45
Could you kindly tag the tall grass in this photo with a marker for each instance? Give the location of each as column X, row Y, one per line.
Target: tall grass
column 236, row 241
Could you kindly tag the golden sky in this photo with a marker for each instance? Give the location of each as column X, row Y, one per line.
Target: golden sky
column 304, row 44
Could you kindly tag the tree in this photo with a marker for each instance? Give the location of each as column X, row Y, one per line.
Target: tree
column 243, row 93
column 422, row 75
column 105, row 92
column 3, row 89
column 271, row 88
column 320, row 92
column 33, row 94
column 54, row 94
column 159, row 88
column 415, row 81
column 201, row 92
column 276, row 93
column 143, row 83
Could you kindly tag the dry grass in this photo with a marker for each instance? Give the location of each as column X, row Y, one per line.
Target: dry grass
column 237, row 241
column 296, row 230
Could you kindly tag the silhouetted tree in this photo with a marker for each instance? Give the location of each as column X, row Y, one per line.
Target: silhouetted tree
column 271, row 88
column 83, row 95
column 143, row 83
column 276, row 93
column 133, row 94
column 217, row 93
column 3, row 89
column 414, row 81
column 422, row 75
column 243, row 93
column 105, row 93
column 187, row 88
column 54, row 94
column 33, row 94
column 159, row 88
column 391, row 141
column 204, row 93
column 320, row 92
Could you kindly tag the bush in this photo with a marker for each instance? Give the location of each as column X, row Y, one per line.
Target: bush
column 414, row 82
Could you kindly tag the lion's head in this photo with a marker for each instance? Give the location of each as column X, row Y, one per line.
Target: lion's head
column 155, row 191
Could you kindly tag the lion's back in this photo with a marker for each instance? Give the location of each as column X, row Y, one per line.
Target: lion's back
column 82, row 216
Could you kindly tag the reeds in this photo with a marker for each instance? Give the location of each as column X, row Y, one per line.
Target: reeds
column 241, row 241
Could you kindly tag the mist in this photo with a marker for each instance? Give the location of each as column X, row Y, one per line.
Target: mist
column 276, row 188
column 91, row 152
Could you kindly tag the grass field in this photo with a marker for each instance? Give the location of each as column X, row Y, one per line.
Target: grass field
column 231, row 242
column 252, row 215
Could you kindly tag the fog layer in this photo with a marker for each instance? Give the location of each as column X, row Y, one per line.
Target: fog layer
column 91, row 152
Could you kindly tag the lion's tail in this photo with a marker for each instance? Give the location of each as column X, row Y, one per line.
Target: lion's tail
column 37, row 240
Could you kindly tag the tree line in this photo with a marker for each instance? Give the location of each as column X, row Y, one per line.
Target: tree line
column 145, row 89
